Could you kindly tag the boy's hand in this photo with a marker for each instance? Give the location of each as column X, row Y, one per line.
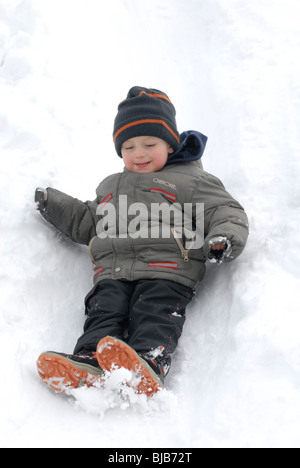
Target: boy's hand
column 218, row 246
column 219, row 249
column 40, row 198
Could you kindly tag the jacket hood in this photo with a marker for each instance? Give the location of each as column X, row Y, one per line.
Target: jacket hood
column 191, row 148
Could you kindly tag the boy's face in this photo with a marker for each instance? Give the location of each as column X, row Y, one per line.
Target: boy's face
column 145, row 154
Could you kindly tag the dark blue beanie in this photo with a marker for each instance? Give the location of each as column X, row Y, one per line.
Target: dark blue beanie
column 145, row 112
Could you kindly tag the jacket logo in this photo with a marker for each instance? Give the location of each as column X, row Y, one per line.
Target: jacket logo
column 164, row 182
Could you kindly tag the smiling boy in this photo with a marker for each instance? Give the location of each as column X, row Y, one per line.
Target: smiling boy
column 145, row 154
column 142, row 284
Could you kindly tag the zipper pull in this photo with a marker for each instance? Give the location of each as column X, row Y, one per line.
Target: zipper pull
column 185, row 255
column 184, row 252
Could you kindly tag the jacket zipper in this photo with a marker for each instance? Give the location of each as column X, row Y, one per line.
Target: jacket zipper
column 184, row 252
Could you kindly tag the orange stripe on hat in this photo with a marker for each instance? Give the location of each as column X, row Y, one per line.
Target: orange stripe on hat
column 162, row 96
column 139, row 122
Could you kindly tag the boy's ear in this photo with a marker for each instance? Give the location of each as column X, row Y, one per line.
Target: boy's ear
column 170, row 150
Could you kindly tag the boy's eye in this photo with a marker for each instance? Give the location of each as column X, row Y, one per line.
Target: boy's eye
column 150, row 146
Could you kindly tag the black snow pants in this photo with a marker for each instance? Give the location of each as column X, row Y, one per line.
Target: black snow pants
column 149, row 315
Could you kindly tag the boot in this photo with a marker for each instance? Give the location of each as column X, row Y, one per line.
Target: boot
column 113, row 353
column 66, row 371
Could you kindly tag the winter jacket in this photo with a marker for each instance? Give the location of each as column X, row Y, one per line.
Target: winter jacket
column 121, row 253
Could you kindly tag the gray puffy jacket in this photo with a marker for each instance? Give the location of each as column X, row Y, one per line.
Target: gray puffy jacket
column 122, row 252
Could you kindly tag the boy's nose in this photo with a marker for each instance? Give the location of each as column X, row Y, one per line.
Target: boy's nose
column 140, row 152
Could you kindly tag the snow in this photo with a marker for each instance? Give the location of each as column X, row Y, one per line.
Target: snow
column 233, row 72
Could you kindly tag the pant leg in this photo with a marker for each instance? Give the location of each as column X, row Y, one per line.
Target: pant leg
column 157, row 316
column 107, row 308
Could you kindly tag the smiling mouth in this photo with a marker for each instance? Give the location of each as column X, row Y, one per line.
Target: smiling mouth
column 142, row 165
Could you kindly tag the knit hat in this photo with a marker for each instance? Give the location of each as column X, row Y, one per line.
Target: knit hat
column 145, row 112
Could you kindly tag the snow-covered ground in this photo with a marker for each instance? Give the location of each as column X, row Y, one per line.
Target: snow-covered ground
column 232, row 69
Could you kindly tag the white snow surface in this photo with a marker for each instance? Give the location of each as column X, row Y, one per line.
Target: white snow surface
column 232, row 70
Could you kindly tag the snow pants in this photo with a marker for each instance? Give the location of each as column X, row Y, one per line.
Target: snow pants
column 149, row 315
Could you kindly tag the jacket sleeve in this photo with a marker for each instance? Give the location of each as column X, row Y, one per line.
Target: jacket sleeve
column 74, row 218
column 223, row 216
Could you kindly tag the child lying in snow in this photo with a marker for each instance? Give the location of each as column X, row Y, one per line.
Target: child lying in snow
column 146, row 267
